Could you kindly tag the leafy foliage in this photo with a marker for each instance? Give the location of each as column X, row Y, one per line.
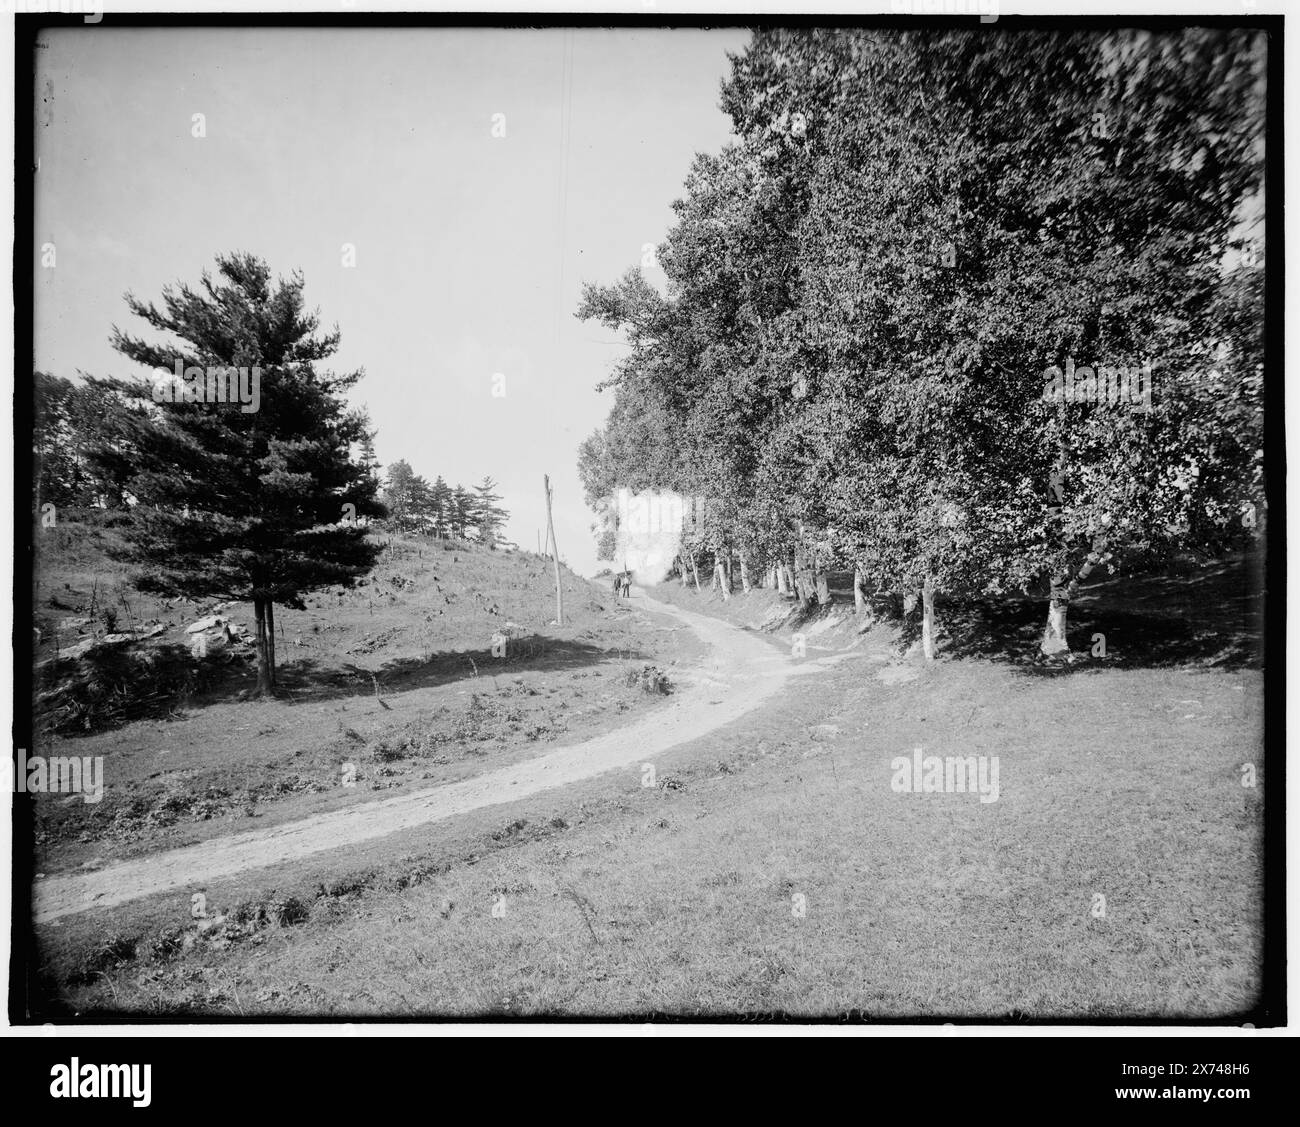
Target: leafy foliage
column 866, row 291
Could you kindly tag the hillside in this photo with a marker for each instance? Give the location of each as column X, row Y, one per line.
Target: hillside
column 772, row 866
column 397, row 678
column 1192, row 613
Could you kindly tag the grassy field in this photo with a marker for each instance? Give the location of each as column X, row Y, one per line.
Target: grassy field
column 396, row 678
column 772, row 867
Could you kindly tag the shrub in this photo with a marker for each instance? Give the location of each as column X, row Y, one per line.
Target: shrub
column 649, row 679
column 287, row 911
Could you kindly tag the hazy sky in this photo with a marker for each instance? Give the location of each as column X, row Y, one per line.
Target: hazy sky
column 470, row 249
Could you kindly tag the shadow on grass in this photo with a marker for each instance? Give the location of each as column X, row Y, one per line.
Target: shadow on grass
column 113, row 686
column 309, row 680
column 105, row 690
column 1212, row 617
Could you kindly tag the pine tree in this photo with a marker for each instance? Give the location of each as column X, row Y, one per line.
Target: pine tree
column 462, row 511
column 488, row 516
column 440, row 506
column 421, row 505
column 254, row 499
column 401, row 495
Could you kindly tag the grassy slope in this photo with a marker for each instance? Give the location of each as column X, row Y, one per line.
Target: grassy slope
column 420, row 631
column 614, row 898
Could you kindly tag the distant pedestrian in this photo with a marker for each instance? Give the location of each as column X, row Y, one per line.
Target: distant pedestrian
column 618, row 584
column 627, row 584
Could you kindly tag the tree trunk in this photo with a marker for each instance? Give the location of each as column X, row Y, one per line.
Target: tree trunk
column 695, row 571
column 681, row 560
column 744, row 576
column 1055, row 639
column 927, row 619
column 807, row 581
column 822, row 586
column 782, row 586
column 720, row 579
column 859, row 599
column 263, row 656
column 270, row 637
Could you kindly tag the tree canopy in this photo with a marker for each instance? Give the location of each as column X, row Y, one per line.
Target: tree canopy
column 416, row 506
column 870, row 290
column 240, row 504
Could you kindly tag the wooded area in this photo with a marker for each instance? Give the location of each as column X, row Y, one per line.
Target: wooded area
column 961, row 312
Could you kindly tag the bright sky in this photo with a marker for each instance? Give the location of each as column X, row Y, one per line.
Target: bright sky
column 470, row 249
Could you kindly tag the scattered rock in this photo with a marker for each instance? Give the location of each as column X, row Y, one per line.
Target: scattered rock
column 207, row 645
column 205, row 624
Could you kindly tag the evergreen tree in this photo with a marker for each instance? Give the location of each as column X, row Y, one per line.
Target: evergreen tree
column 489, row 517
column 462, row 512
column 421, row 505
column 401, row 495
column 251, row 499
column 440, row 506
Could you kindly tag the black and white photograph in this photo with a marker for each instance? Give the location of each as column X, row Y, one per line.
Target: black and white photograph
column 906, row 387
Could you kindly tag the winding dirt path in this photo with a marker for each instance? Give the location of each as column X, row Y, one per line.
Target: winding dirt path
column 739, row 673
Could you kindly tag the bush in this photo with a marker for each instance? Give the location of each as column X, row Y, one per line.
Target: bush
column 287, row 911
column 383, row 752
column 108, row 687
column 168, row 942
column 649, row 679
column 110, row 953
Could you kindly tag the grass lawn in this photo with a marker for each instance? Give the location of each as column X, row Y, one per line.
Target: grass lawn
column 397, row 678
column 773, row 869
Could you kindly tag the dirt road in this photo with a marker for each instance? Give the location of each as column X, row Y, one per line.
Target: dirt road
column 740, row 673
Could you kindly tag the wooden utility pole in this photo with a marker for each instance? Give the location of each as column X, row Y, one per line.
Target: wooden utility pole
column 550, row 538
